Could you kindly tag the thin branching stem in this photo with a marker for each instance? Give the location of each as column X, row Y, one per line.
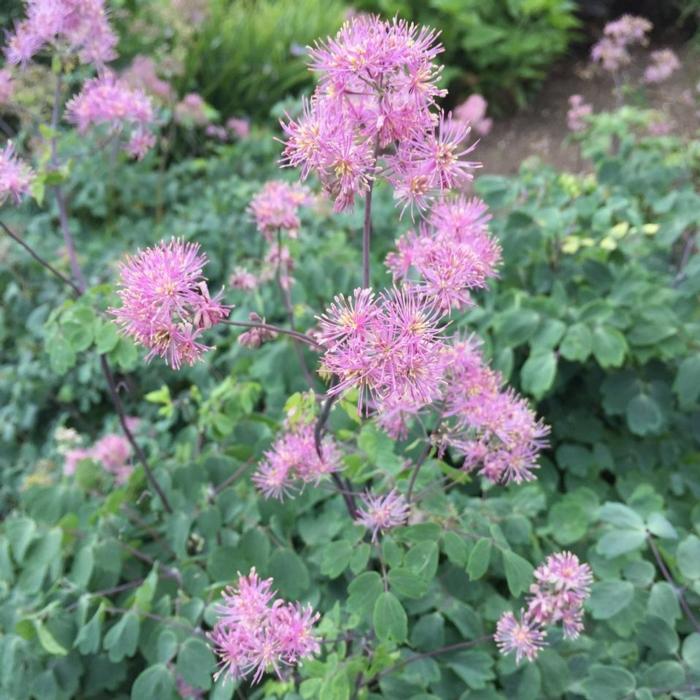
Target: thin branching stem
column 669, row 577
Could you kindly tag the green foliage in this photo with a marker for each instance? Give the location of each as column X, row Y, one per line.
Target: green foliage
column 250, row 54
column 595, row 316
column 501, row 48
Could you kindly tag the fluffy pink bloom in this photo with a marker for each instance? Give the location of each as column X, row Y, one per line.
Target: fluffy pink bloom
column 388, row 348
column 628, row 29
column 452, row 254
column 276, row 207
column 374, row 115
column 243, row 279
column 524, row 636
column 255, row 337
column 611, row 55
column 166, row 303
column 661, row 126
column 6, row 86
column 611, row 51
column 216, row 131
column 578, row 114
column 257, row 632
column 191, row 110
column 240, row 128
column 140, row 143
column 114, row 452
column 663, row 63
column 494, row 428
column 16, row 176
column 383, row 512
column 82, row 26
column 109, row 101
column 561, row 587
column 473, row 112
column 293, row 457
column 142, row 74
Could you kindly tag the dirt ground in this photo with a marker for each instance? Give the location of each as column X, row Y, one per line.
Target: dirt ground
column 540, row 129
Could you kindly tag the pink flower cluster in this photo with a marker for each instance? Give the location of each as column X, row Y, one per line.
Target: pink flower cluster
column 276, row 208
column 166, row 303
column 380, row 513
column 108, row 100
column 191, row 110
column 293, row 457
column 239, row 127
column 562, row 585
column 473, row 112
column 112, row 451
column 493, row 427
column 451, row 253
column 256, row 631
column 389, row 347
column 612, row 50
column 663, row 64
column 578, row 114
column 142, row 75
column 81, row 26
column 16, row 176
column 376, row 99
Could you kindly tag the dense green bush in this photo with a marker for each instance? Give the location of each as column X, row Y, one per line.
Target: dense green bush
column 250, row 54
column 103, row 594
column 501, row 48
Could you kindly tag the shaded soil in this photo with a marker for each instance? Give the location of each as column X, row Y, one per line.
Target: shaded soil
column 540, row 130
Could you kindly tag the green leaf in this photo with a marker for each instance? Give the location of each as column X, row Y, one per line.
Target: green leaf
column 618, row 542
column 577, row 344
column 516, row 326
column 608, row 683
column 687, row 382
column 48, row 641
column 455, row 548
column 621, row 515
column 609, row 346
column 407, row 584
column 122, row 639
column 548, row 335
column 568, row 521
column 196, row 663
column 479, row 559
column 422, row 559
column 154, row 682
column 691, row 652
column 389, row 618
column 20, row 533
column 658, row 634
column 538, row 373
column 664, row 674
column 644, row 416
column 658, row 525
column 474, row 667
column 106, row 337
column 88, row 639
column 144, row 593
column 166, row 646
column 335, row 558
column 289, row 573
column 663, row 601
column 609, row 597
column 688, row 557
column 518, row 572
column 363, row 592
